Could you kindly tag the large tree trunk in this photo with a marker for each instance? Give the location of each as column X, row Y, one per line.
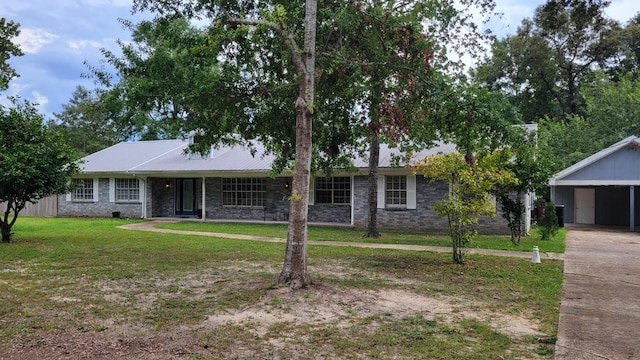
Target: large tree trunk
column 6, row 232
column 374, row 159
column 294, row 269
column 7, row 220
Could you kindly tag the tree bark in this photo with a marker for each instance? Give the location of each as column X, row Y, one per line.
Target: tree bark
column 457, row 253
column 7, row 221
column 294, row 269
column 6, row 233
column 374, row 159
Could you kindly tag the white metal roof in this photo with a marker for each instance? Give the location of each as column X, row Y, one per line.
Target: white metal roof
column 387, row 155
column 126, row 156
column 168, row 157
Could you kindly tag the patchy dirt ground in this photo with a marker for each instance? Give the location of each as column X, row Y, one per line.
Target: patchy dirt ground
column 278, row 325
column 337, row 307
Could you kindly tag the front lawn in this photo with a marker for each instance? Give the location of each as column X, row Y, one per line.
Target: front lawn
column 82, row 288
column 324, row 233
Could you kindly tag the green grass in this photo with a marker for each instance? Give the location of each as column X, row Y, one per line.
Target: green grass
column 86, row 280
column 344, row 234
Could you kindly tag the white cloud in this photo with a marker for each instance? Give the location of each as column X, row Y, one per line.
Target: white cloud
column 123, row 3
column 40, row 102
column 515, row 10
column 117, row 3
column 31, row 40
column 16, row 88
column 81, row 44
column 512, row 13
column 39, row 99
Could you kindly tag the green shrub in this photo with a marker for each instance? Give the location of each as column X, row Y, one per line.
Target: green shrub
column 549, row 223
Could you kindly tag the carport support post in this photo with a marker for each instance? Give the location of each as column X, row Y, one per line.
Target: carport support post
column 632, row 206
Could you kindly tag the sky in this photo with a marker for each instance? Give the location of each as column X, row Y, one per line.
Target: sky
column 59, row 36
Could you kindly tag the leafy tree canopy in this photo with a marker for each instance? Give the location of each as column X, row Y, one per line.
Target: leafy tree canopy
column 630, row 60
column 85, row 123
column 532, row 166
column 161, row 74
column 35, row 162
column 544, row 65
column 611, row 114
column 8, row 30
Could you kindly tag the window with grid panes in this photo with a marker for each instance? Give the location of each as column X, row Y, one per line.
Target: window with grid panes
column 334, row 190
column 396, row 191
column 127, row 190
column 243, row 191
column 82, row 190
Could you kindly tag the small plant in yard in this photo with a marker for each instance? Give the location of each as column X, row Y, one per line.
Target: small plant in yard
column 277, row 302
column 549, row 222
column 468, row 197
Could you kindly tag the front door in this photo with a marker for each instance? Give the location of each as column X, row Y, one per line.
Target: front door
column 585, row 201
column 186, row 196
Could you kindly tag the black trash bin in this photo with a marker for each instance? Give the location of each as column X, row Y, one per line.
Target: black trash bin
column 560, row 215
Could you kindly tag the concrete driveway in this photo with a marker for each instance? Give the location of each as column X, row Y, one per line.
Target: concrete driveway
column 600, row 310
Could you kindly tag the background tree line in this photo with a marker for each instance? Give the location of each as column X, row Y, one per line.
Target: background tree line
column 572, row 70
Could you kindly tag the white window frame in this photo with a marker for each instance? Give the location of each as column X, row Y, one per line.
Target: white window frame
column 253, row 189
column 396, row 196
column 126, row 190
column 92, row 189
column 331, row 189
column 410, row 188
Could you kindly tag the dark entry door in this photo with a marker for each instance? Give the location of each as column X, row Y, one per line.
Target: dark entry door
column 186, row 196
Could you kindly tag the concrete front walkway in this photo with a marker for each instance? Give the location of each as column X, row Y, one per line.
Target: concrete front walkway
column 600, row 310
column 150, row 226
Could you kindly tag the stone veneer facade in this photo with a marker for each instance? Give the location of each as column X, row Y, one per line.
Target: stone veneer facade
column 101, row 208
column 160, row 203
column 423, row 217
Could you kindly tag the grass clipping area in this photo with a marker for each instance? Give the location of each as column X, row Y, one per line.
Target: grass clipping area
column 81, row 288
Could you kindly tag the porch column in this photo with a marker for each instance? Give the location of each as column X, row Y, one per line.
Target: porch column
column 631, row 207
column 204, row 196
column 143, row 196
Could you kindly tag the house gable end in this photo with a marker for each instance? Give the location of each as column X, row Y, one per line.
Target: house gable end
column 620, row 165
column 598, row 167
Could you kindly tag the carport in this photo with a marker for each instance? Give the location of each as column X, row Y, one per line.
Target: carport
column 601, row 189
